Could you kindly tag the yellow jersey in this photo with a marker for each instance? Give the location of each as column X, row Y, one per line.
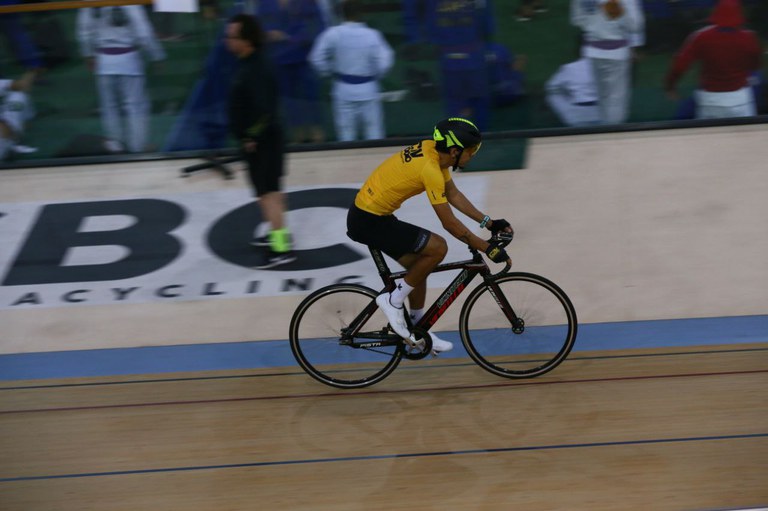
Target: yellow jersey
column 413, row 170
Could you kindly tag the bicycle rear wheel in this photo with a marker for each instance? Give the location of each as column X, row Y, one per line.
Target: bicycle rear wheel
column 538, row 339
column 316, row 338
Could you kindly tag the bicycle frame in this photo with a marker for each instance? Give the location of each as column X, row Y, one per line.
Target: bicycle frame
column 470, row 268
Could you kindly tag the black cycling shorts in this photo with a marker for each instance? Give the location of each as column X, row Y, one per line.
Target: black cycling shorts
column 390, row 235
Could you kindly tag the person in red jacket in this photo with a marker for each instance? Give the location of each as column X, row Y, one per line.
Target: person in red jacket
column 728, row 54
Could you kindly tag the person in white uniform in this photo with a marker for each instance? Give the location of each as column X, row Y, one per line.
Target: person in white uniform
column 356, row 57
column 572, row 94
column 611, row 28
column 111, row 40
column 15, row 111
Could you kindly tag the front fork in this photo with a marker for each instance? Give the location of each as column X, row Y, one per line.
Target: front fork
column 517, row 323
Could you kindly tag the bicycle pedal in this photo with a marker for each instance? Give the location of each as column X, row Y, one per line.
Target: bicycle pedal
column 412, row 351
column 412, row 344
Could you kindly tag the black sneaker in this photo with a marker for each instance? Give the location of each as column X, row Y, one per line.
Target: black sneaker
column 273, row 259
column 260, row 241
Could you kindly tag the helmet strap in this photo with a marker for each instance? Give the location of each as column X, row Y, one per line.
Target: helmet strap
column 458, row 157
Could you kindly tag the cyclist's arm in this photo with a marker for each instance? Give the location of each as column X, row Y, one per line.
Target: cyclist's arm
column 459, row 201
column 457, row 229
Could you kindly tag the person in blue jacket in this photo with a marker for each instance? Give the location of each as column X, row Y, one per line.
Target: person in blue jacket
column 461, row 30
column 291, row 27
column 19, row 40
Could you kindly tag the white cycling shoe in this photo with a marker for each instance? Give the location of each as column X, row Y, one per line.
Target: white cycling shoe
column 396, row 316
column 440, row 345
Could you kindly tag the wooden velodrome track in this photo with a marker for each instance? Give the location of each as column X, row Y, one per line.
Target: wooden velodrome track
column 671, row 428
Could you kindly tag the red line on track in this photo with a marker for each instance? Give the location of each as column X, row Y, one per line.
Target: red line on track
column 383, row 392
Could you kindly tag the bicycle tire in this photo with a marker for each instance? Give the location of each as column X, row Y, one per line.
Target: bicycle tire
column 315, row 338
column 544, row 338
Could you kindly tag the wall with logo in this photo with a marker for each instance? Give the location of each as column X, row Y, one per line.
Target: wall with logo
column 655, row 225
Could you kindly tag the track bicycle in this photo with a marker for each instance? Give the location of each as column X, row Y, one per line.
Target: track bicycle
column 513, row 324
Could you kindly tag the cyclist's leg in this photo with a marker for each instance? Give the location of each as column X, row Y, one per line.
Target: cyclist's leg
column 415, row 248
column 432, row 254
column 418, row 250
column 430, row 250
column 439, row 345
column 419, row 266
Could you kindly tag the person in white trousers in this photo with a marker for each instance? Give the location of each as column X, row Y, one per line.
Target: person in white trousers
column 356, row 57
column 572, row 94
column 111, row 40
column 611, row 28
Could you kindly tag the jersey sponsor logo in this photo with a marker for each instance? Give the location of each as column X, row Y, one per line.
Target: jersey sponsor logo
column 411, row 152
column 181, row 247
column 434, row 196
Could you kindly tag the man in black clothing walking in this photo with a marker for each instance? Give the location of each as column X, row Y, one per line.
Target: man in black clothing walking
column 253, row 114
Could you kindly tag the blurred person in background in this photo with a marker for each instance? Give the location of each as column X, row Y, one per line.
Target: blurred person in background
column 19, row 39
column 15, row 111
column 728, row 55
column 611, row 29
column 572, row 94
column 291, row 27
column 111, row 41
column 461, row 32
column 686, row 107
column 506, row 75
column 356, row 57
column 255, row 124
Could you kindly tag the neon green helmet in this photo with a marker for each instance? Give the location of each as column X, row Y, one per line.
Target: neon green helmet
column 456, row 132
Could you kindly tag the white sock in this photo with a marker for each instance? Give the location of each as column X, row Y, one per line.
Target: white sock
column 416, row 314
column 400, row 293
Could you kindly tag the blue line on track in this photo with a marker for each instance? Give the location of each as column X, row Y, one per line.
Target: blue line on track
column 387, row 456
column 265, row 354
column 297, row 371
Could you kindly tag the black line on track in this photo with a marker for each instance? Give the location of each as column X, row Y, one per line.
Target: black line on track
column 344, row 393
column 387, row 456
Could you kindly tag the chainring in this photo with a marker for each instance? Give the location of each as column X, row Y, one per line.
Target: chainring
column 424, row 347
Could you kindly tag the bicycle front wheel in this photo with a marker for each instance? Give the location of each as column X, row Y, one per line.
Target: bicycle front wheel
column 526, row 330
column 325, row 353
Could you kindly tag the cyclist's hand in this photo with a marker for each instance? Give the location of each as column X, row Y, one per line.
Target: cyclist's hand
column 496, row 252
column 499, row 225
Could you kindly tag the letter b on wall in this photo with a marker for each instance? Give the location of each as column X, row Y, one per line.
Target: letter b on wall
column 58, row 229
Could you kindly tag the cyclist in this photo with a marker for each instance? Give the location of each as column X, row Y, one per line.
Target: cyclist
column 421, row 167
